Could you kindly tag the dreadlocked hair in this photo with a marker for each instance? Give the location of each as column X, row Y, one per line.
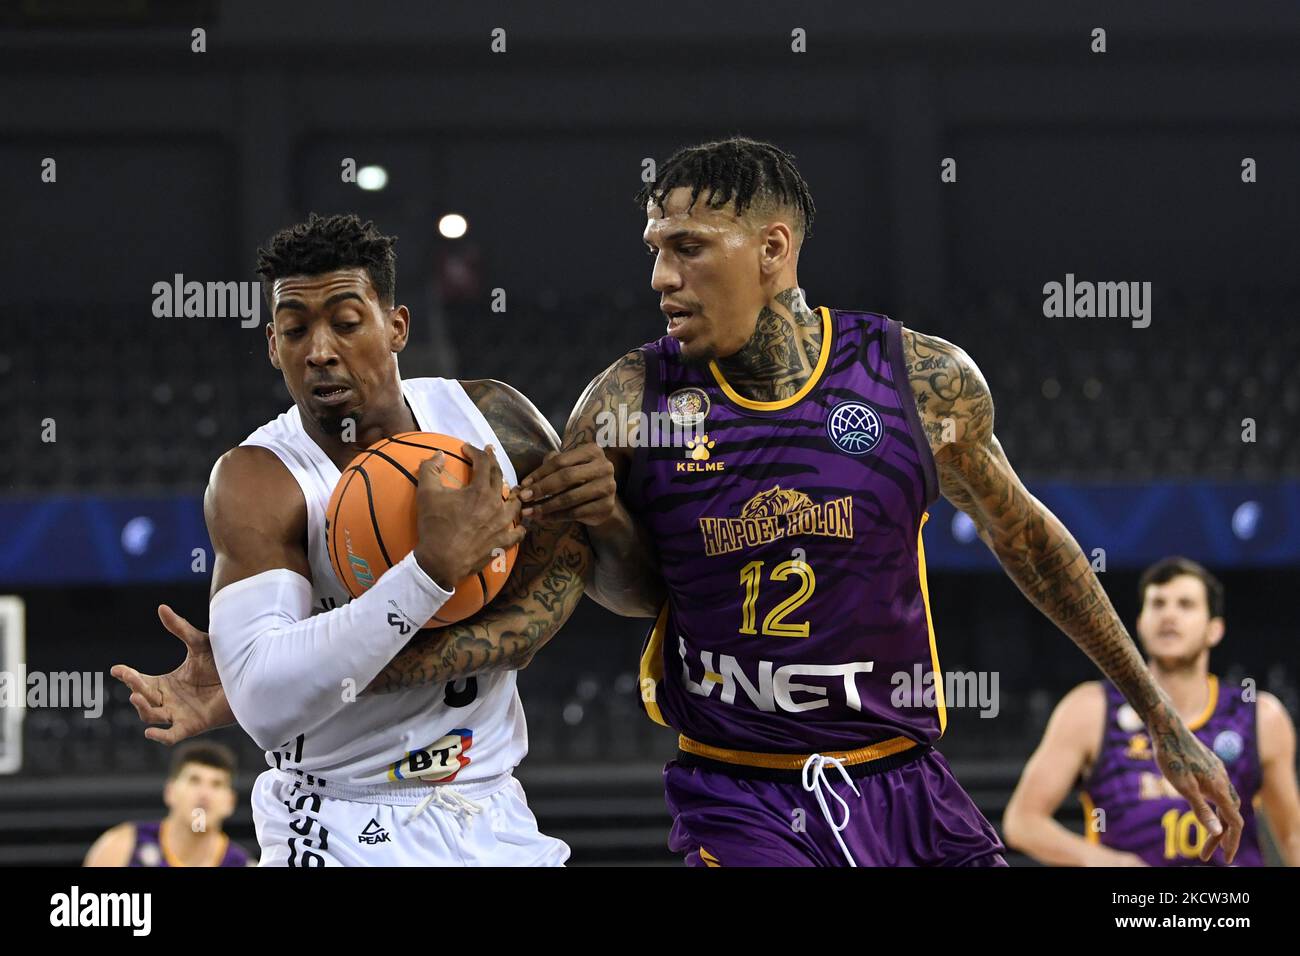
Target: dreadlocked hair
column 739, row 170
column 326, row 243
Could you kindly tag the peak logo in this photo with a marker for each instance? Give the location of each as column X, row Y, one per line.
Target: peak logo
column 374, row 834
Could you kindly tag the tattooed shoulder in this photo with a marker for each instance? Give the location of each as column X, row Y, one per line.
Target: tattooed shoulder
column 621, row 386
column 951, row 394
column 525, row 434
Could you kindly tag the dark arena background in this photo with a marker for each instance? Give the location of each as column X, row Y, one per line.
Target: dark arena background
column 961, row 157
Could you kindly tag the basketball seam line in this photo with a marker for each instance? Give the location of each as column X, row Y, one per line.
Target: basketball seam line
column 334, row 551
column 450, row 454
column 379, row 454
column 374, row 521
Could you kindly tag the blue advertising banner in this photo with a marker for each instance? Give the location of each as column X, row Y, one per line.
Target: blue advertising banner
column 65, row 540
column 61, row 540
column 1221, row 525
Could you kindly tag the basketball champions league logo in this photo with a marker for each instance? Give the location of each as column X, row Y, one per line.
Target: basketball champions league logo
column 854, row 427
column 777, row 513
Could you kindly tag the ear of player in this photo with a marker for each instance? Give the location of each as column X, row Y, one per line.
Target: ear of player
column 435, row 495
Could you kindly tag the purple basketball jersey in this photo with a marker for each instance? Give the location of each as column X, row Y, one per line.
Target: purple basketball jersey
column 789, row 537
column 1143, row 813
column 150, row 850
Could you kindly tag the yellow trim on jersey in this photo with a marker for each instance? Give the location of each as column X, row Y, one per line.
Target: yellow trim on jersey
column 929, row 626
column 822, row 361
column 652, row 668
column 747, row 758
column 1212, row 687
column 173, row 860
column 1089, row 834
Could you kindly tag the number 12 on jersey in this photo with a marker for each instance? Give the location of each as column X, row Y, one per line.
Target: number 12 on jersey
column 751, row 578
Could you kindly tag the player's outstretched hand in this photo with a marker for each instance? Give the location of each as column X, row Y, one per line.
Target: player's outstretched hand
column 1198, row 774
column 573, row 485
column 190, row 700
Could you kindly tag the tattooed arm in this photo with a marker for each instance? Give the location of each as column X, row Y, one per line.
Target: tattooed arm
column 584, row 482
column 1047, row 564
column 544, row 586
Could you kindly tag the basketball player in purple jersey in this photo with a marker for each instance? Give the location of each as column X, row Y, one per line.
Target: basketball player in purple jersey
column 1096, row 738
column 781, row 551
column 200, row 797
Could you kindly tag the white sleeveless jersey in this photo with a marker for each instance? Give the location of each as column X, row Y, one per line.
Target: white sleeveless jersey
column 463, row 730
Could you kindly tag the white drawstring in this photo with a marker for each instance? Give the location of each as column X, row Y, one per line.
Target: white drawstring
column 458, row 805
column 814, row 779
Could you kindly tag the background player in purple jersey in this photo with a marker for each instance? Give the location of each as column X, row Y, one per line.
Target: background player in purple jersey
column 201, row 778
column 780, row 549
column 1096, row 738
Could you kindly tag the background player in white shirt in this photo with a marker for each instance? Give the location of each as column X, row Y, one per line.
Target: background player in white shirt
column 387, row 745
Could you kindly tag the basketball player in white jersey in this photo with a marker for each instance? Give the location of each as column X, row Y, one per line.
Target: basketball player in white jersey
column 387, row 745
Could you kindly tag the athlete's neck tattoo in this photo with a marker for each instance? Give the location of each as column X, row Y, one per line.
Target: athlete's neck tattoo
column 781, row 354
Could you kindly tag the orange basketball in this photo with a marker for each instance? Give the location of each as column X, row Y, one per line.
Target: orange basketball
column 370, row 522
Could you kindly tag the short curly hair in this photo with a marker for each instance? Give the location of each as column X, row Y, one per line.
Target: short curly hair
column 326, row 243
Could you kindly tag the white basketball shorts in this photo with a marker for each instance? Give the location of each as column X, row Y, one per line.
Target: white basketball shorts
column 481, row 823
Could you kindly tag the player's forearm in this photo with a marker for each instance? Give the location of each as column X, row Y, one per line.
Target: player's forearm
column 1290, row 851
column 1053, row 844
column 544, row 588
column 1288, row 842
column 625, row 575
column 285, row 670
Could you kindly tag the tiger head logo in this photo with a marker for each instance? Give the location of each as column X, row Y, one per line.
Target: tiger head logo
column 775, row 501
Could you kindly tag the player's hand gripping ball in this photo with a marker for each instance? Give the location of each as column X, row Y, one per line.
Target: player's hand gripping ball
column 371, row 519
